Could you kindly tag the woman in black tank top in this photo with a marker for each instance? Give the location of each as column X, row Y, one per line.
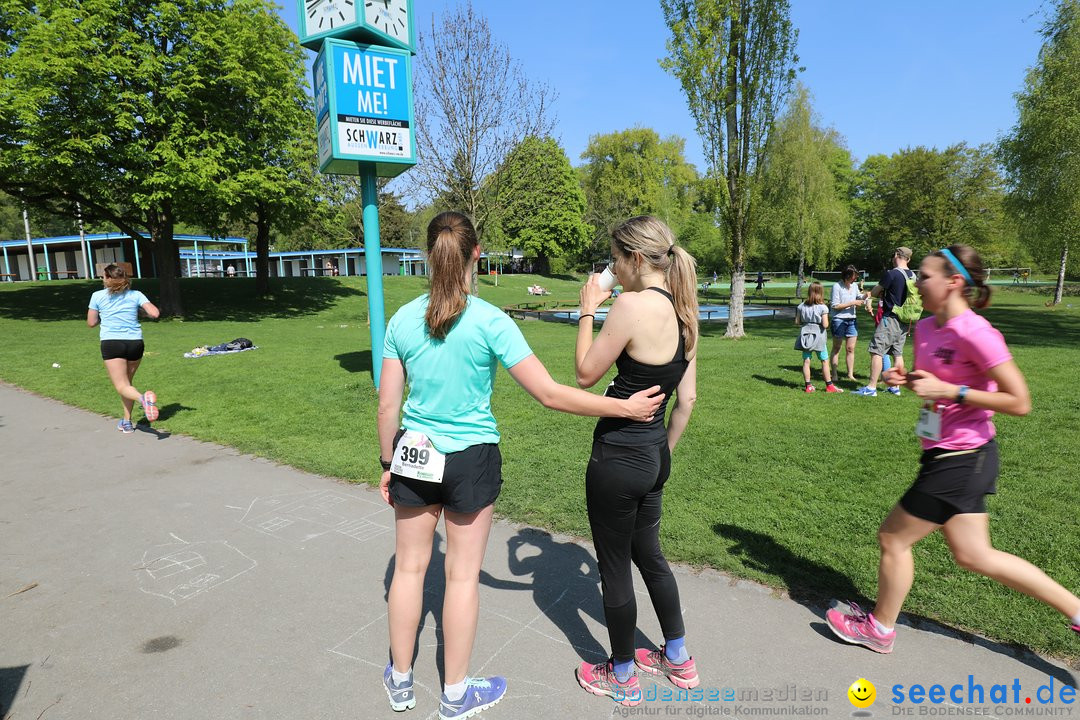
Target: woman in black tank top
column 650, row 336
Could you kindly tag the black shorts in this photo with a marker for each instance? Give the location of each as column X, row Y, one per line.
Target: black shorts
column 472, row 479
column 952, row 482
column 129, row 350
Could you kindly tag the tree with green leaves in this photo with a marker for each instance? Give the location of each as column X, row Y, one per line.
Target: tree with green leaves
column 1040, row 153
column 269, row 180
column 926, row 198
column 736, row 61
column 135, row 111
column 804, row 212
column 635, row 172
column 543, row 205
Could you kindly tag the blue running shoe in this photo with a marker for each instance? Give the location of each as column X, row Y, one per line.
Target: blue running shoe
column 894, row 390
column 125, row 427
column 401, row 696
column 480, row 694
column 866, row 391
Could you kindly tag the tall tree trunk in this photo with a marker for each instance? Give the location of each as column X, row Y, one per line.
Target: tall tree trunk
column 1061, row 273
column 802, row 265
column 262, row 252
column 738, row 285
column 167, row 260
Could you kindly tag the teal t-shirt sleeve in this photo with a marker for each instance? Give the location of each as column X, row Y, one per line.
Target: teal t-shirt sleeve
column 507, row 342
column 95, row 302
column 140, row 298
column 389, row 346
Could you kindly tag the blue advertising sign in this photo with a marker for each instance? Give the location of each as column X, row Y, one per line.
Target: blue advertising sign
column 322, row 94
column 369, row 108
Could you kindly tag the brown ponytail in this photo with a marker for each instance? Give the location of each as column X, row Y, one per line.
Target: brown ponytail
column 450, row 243
column 976, row 292
column 116, row 280
column 654, row 241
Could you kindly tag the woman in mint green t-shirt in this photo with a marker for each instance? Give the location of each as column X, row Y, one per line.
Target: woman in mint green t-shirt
column 440, row 453
column 116, row 310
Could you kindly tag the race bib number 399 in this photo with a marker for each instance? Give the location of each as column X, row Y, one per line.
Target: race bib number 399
column 415, row 457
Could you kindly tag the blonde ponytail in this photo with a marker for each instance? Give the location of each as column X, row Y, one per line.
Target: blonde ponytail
column 682, row 279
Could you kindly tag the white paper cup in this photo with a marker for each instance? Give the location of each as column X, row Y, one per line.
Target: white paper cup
column 607, row 279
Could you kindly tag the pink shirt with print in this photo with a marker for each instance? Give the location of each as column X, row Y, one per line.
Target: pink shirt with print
column 961, row 352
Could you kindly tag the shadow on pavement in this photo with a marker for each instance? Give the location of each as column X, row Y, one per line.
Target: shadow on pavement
column 565, row 584
column 10, row 682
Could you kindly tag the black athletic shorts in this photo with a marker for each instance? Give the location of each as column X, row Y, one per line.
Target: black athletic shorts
column 472, row 479
column 129, row 350
column 951, row 482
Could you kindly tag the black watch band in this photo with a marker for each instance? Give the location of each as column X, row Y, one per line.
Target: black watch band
column 385, row 464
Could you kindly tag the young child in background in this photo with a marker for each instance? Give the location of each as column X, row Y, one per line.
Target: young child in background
column 812, row 315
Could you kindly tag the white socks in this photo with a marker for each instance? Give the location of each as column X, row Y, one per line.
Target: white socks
column 881, row 628
column 454, row 692
column 400, row 678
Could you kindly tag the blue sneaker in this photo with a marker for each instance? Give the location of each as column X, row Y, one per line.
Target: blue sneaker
column 125, row 427
column 401, row 696
column 866, row 391
column 894, row 390
column 480, row 694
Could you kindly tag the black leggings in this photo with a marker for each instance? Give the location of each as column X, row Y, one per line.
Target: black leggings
column 624, row 488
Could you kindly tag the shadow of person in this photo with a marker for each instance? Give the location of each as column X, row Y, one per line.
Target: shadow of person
column 809, row 583
column 565, row 583
column 813, row 585
column 354, row 362
column 10, row 681
column 434, row 588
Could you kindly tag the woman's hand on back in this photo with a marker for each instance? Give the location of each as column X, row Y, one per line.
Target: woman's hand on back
column 642, row 406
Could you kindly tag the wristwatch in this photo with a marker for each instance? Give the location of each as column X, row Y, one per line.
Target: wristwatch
column 961, row 393
column 385, row 464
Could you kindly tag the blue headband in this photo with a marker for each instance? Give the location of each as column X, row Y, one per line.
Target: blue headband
column 957, row 264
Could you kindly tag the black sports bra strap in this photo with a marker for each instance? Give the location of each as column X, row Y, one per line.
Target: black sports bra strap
column 663, row 292
column 680, row 350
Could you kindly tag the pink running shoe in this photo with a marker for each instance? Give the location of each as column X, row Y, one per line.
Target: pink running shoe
column 809, row 388
column 600, row 680
column 149, row 405
column 1076, row 629
column 858, row 628
column 655, row 662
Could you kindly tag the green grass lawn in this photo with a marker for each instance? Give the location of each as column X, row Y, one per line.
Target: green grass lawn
column 769, row 483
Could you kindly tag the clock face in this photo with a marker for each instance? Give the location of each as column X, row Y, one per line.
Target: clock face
column 390, row 17
column 321, row 16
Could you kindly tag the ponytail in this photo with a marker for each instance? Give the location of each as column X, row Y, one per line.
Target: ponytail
column 450, row 242
column 682, row 279
column 116, row 280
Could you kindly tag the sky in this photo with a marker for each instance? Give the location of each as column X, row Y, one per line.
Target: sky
column 885, row 75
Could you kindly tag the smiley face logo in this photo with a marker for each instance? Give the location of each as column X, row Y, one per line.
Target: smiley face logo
column 862, row 693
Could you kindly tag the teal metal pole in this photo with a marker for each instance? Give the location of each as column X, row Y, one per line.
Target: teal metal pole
column 373, row 260
column 138, row 265
column 7, row 266
column 48, row 265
